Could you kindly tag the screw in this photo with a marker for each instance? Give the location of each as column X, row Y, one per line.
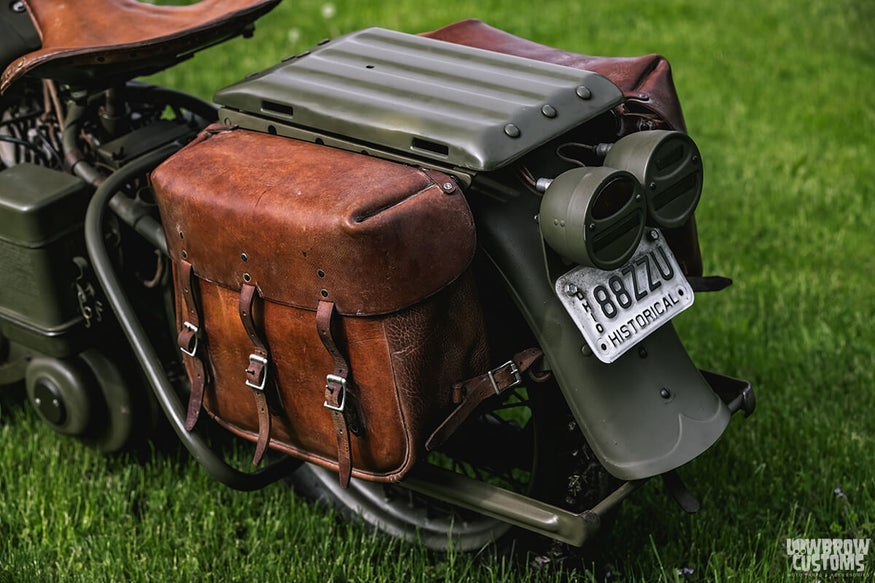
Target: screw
column 583, row 92
column 642, row 352
column 244, row 257
column 512, row 131
column 653, row 235
column 664, row 393
column 571, row 289
column 548, row 111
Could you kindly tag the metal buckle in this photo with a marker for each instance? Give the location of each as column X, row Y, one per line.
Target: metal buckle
column 194, row 329
column 263, row 361
column 518, row 379
column 336, row 379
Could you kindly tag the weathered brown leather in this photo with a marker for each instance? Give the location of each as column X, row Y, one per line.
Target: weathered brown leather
column 116, row 35
column 188, row 341
column 651, row 100
column 258, row 369
column 369, row 235
column 338, row 390
column 291, row 207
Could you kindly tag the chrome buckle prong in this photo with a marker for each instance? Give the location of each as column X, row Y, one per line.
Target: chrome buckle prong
column 514, row 371
column 332, row 378
column 188, row 325
column 263, row 361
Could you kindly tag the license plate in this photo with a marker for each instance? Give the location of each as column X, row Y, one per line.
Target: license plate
column 615, row 310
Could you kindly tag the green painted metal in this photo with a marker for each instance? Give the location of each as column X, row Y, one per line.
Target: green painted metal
column 669, row 166
column 41, row 214
column 634, row 430
column 260, row 124
column 514, row 508
column 450, row 103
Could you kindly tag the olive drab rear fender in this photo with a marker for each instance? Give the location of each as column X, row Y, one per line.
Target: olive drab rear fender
column 643, row 415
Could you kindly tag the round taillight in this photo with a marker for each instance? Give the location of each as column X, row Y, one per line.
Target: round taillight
column 593, row 216
column 668, row 166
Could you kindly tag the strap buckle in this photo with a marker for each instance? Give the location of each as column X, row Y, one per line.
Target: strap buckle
column 515, row 373
column 332, row 378
column 263, row 361
column 194, row 330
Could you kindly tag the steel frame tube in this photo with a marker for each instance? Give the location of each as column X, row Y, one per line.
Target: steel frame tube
column 172, row 406
column 511, row 507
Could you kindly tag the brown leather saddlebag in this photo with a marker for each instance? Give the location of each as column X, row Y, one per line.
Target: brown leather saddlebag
column 325, row 306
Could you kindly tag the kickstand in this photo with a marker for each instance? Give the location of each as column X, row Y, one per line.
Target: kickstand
column 679, row 492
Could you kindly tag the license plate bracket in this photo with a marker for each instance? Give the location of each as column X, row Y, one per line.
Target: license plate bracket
column 615, row 310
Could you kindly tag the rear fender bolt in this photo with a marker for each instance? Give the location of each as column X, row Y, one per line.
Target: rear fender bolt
column 654, row 235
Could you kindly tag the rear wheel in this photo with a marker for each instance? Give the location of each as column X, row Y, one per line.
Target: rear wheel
column 525, row 441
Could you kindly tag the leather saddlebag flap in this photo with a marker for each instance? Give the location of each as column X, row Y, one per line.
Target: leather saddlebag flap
column 336, row 281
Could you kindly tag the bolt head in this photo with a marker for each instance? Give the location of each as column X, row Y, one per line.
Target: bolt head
column 583, row 92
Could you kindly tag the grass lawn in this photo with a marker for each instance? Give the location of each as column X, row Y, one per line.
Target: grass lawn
column 776, row 96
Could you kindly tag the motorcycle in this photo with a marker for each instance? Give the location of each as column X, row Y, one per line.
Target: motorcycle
column 580, row 182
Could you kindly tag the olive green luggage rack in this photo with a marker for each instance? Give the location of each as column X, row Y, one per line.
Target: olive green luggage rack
column 451, row 104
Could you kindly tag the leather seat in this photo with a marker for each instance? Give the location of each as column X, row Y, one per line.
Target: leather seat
column 110, row 40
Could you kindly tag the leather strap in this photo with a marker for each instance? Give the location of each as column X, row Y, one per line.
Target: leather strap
column 476, row 390
column 336, row 390
column 257, row 370
column 188, row 338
